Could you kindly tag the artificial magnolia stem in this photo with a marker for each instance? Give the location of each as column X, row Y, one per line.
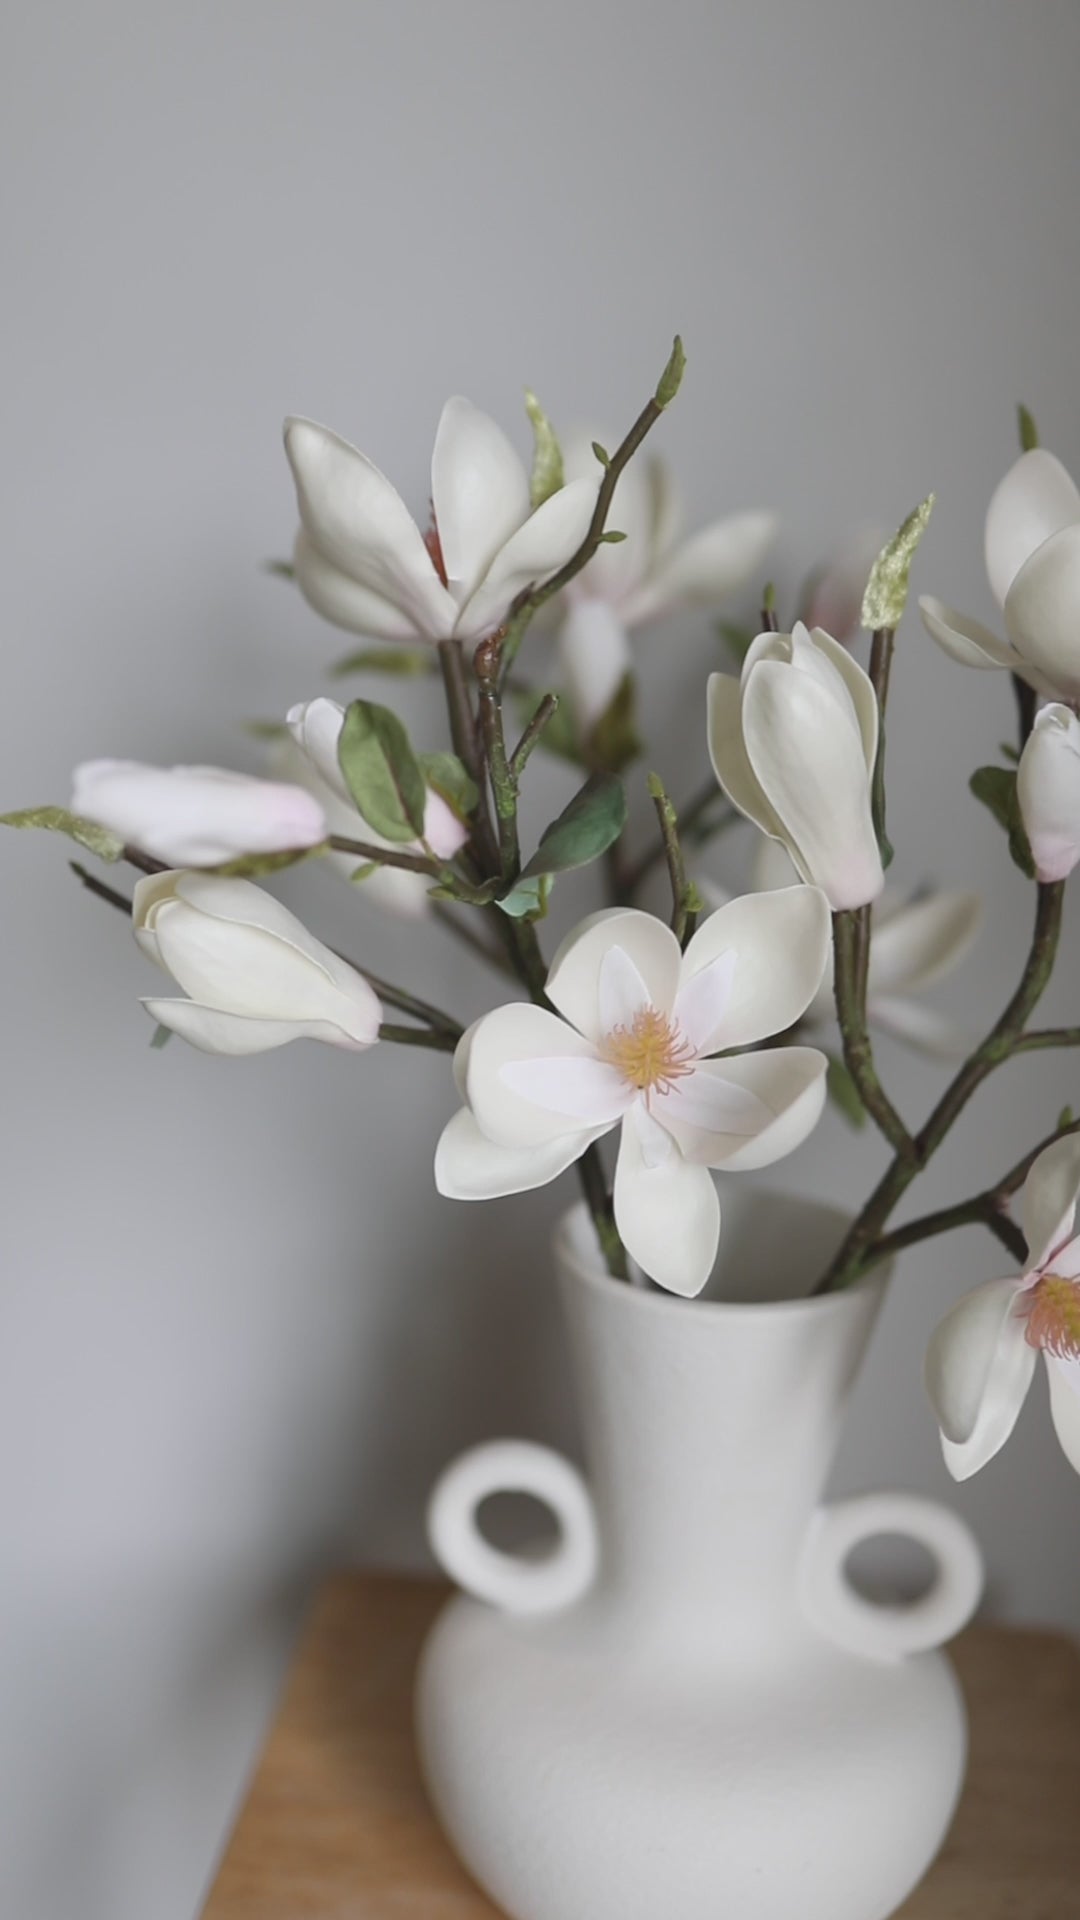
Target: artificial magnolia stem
column 1000, row 1044
column 366, row 850
column 544, row 712
column 418, row 1037
column 684, row 897
column 504, row 790
column 858, row 1052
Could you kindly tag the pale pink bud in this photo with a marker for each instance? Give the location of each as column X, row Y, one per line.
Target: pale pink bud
column 196, row 816
column 1048, row 791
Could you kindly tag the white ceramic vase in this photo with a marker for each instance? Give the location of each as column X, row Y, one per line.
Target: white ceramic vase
column 685, row 1711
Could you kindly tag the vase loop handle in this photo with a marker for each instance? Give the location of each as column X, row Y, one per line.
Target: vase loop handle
column 510, row 1580
column 889, row 1632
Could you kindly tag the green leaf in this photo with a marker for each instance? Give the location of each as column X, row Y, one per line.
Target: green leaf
column 281, row 569
column 406, row 663
column 887, row 588
column 107, row 846
column 450, row 778
column 360, row 874
column 671, row 378
column 1027, row 430
column 768, row 597
column 584, row 830
column 843, row 1092
column 266, row 730
column 547, row 466
column 527, row 899
column 877, row 799
column 381, row 771
column 160, row 1037
column 601, row 453
column 739, row 639
column 1006, row 747
column 996, row 788
column 611, row 538
column 558, row 736
column 614, row 741
column 1066, row 1118
column 247, row 866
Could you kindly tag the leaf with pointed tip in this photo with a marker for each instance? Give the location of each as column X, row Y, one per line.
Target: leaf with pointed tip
column 266, row 730
column 160, row 1037
column 547, row 466
column 281, row 569
column 843, row 1092
column 612, row 538
column 671, row 379
column 450, row 778
column 601, row 453
column 527, row 899
column 584, row 830
column 887, row 588
column 382, row 772
column 1027, row 430
column 996, row 788
column 99, row 840
column 406, row 663
column 739, row 639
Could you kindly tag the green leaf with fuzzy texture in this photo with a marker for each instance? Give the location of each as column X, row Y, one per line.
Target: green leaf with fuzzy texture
column 887, row 588
column 382, row 772
column 547, row 466
column 99, row 840
column 450, row 778
column 406, row 663
column 248, row 866
column 996, row 788
column 584, row 830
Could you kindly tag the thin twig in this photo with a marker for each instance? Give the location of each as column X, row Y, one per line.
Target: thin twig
column 418, row 1037
column 684, row 896
column 366, row 850
column 986, row 1209
column 545, row 711
column 855, row 1035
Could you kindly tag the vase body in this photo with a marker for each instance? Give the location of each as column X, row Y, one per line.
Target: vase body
column 686, row 1712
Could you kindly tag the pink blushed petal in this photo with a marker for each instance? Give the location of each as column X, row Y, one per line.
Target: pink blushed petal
column 587, row 1090
column 468, row 1166
column 1066, row 1261
column 707, row 1103
column 1048, row 1204
column 703, row 1001
column 622, row 991
column 978, row 1370
column 1064, row 1376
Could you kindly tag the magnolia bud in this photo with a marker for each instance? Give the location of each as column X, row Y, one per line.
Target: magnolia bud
column 196, row 816
column 1048, row 792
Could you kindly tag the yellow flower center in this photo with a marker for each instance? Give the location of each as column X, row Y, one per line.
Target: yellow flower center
column 1052, row 1310
column 650, row 1053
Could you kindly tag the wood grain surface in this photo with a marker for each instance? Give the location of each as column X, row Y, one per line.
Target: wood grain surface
column 336, row 1826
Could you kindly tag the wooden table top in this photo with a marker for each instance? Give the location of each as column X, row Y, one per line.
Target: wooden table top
column 336, row 1826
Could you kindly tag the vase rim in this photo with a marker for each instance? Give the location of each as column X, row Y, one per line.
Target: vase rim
column 587, row 1266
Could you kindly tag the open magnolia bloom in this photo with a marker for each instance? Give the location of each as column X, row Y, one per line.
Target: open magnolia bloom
column 1048, row 792
column 793, row 742
column 982, row 1356
column 310, row 757
column 1033, row 560
column 256, row 978
column 634, row 1047
column 915, row 942
column 645, row 576
column 363, row 563
column 196, row 816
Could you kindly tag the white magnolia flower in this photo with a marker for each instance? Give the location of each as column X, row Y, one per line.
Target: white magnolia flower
column 311, row 758
column 645, row 576
column 631, row 1044
column 363, row 563
column 1048, row 791
column 793, row 743
column 914, row 943
column 256, row 978
column 982, row 1356
column 1033, row 560
column 196, row 816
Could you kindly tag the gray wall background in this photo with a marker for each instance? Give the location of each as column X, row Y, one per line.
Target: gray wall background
column 241, row 1333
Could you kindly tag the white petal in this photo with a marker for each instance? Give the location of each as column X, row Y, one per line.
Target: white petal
column 241, row 969
column 656, row 1143
column 937, row 1035
column 1048, row 790
column 1064, row 1378
column 531, row 555
column 622, row 990
column 708, row 1101
column 703, row 999
column 344, row 602
column 479, row 490
column 1036, row 499
column 316, row 726
column 727, row 751
column 1048, row 1202
column 595, row 657
column 781, row 942
column 789, row 1082
column 807, row 755
column 469, row 1166
column 234, row 1033
column 573, row 984
column 978, row 1370
column 444, row 832
column 509, row 1034
column 196, row 816
column 709, row 567
column 858, row 684
column 668, row 1215
column 1042, row 612
column 970, row 643
column 241, row 901
column 922, row 941
column 1067, row 1259
column 360, row 524
column 587, row 1090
